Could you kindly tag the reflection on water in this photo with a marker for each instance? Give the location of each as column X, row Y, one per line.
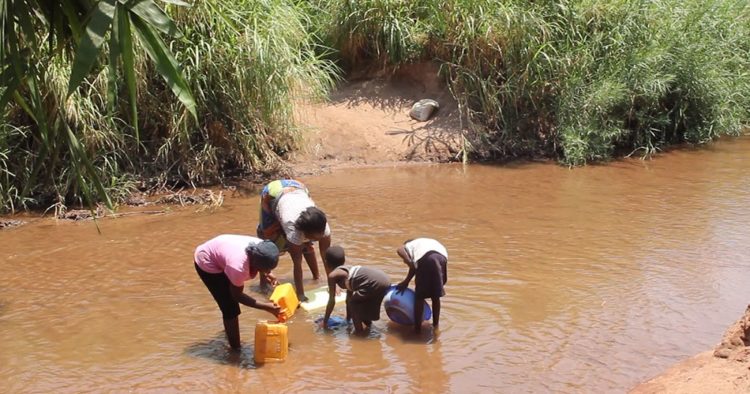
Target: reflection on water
column 561, row 280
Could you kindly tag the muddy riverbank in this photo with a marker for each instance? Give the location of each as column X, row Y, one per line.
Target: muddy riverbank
column 726, row 369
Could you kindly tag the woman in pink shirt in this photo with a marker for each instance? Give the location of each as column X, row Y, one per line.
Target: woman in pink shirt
column 224, row 264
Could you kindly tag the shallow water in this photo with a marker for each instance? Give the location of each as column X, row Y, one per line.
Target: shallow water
column 560, row 280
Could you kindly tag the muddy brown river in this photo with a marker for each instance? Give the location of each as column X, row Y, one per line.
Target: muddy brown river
column 560, row 280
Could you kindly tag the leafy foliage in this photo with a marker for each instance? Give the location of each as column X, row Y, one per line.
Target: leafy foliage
column 99, row 93
column 579, row 80
column 38, row 40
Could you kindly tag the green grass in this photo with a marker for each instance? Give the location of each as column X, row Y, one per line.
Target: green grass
column 248, row 64
column 574, row 80
column 578, row 81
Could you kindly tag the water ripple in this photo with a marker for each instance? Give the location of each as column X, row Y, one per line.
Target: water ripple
column 585, row 280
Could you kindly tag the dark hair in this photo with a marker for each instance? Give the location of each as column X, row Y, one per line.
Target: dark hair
column 265, row 264
column 335, row 257
column 265, row 255
column 311, row 220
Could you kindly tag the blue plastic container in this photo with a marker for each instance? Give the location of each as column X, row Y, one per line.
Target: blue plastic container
column 399, row 306
column 333, row 321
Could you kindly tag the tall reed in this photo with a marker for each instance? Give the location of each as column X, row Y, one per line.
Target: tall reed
column 577, row 80
column 248, row 63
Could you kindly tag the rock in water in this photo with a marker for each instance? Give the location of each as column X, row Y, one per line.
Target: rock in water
column 423, row 109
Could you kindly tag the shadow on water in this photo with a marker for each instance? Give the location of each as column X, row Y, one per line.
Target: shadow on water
column 346, row 329
column 427, row 336
column 217, row 350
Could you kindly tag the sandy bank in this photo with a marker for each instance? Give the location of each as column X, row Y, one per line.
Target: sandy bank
column 726, row 369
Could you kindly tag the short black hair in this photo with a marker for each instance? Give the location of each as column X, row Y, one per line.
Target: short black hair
column 311, row 220
column 335, row 256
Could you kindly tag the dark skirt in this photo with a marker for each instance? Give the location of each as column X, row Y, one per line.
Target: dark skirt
column 369, row 286
column 431, row 276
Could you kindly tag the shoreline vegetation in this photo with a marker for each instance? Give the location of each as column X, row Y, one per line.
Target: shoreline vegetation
column 101, row 98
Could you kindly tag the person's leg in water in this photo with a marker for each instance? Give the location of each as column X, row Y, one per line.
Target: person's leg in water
column 418, row 314
column 354, row 313
column 359, row 326
column 431, row 276
column 435, row 311
column 218, row 286
column 232, row 329
column 348, row 307
column 308, row 252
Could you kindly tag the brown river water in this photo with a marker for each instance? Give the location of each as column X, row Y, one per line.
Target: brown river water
column 560, row 280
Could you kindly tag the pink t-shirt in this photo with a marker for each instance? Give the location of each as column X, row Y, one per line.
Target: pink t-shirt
column 226, row 253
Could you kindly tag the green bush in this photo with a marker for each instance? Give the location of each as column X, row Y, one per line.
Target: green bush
column 247, row 64
column 574, row 80
column 577, row 80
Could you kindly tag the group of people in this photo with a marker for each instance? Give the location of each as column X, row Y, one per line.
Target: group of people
column 290, row 222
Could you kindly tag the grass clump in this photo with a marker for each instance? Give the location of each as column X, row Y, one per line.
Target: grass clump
column 577, row 80
column 574, row 80
column 247, row 64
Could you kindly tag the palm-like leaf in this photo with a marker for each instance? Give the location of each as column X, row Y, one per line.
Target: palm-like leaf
column 82, row 25
column 91, row 43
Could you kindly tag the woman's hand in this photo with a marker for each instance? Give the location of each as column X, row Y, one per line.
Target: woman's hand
column 271, row 307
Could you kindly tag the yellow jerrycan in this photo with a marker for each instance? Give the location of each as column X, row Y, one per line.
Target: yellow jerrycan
column 271, row 342
column 285, row 296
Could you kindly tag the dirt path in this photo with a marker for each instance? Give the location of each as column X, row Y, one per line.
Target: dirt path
column 367, row 122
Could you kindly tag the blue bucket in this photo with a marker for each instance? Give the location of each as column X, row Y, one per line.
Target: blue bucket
column 399, row 306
